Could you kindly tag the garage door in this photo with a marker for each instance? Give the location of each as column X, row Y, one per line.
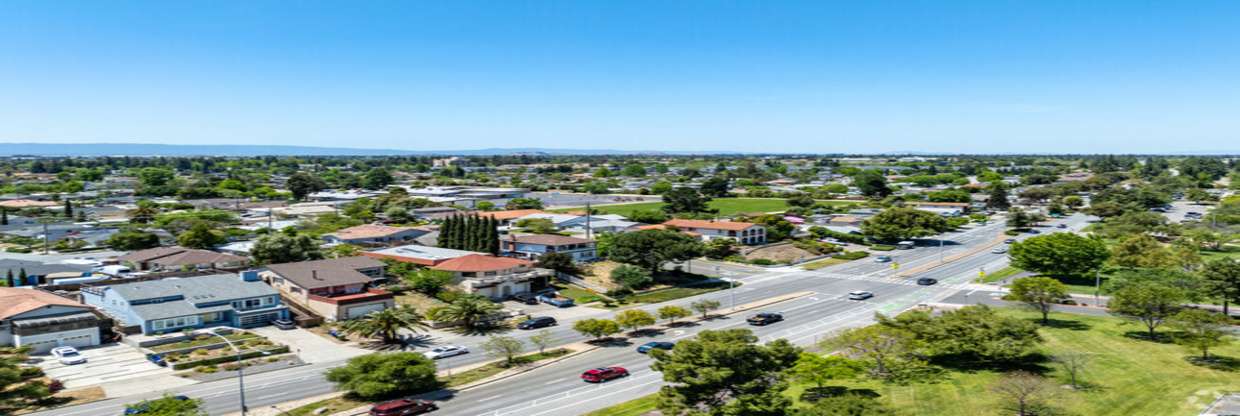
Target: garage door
column 358, row 311
column 41, row 347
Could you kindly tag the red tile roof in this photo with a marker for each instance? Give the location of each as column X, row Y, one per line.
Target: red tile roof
column 510, row 214
column 480, row 263
column 547, row 239
column 16, row 301
column 368, row 231
column 709, row 225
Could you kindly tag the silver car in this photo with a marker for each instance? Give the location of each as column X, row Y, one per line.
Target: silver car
column 445, row 351
column 68, row 355
column 860, row 295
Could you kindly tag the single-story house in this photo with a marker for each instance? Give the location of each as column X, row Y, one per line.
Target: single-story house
column 418, row 254
column 177, row 258
column 334, row 289
column 946, row 209
column 173, row 304
column 494, row 277
column 40, row 320
column 533, row 246
column 374, row 234
column 37, row 272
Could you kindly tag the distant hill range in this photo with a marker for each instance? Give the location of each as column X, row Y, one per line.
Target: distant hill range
column 138, row 149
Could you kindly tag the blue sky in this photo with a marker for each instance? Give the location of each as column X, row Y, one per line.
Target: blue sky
column 814, row 76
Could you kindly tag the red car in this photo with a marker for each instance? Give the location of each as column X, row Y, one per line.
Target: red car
column 601, row 374
column 403, row 407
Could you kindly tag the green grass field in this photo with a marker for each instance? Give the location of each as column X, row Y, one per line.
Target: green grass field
column 1000, row 274
column 1127, row 377
column 727, row 206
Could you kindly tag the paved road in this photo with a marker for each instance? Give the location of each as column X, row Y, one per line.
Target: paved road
column 556, row 390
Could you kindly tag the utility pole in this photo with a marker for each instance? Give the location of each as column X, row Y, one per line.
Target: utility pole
column 589, row 232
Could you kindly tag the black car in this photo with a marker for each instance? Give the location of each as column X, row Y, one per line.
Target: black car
column 284, row 324
column 926, row 281
column 1009, row 241
column 526, row 298
column 537, row 322
column 764, row 318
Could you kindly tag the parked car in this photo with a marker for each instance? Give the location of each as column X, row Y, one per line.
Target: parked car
column 145, row 406
column 537, row 322
column 1034, row 231
column 556, row 301
column 926, row 281
column 157, row 359
column 526, row 298
column 284, row 324
column 403, row 407
column 765, row 318
column 860, row 295
column 882, row 259
column 601, row 374
column 663, row 345
column 68, row 355
column 445, row 351
column 1009, row 241
column 999, row 250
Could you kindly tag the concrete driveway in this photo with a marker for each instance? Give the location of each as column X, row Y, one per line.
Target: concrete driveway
column 104, row 364
column 310, row 347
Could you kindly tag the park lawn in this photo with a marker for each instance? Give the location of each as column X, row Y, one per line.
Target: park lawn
column 727, row 206
column 1128, row 376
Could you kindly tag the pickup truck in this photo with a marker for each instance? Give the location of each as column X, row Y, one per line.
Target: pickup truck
column 556, row 300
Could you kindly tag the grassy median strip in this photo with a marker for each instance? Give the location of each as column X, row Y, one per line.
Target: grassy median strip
column 332, row 405
column 1001, row 274
column 636, row 407
column 828, row 262
column 476, row 374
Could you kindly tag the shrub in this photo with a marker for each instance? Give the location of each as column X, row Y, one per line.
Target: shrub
column 851, row 255
column 762, row 262
column 882, row 247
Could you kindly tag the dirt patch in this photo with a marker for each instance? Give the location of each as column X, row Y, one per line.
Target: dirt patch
column 420, row 301
column 599, row 273
column 779, row 253
column 70, row 398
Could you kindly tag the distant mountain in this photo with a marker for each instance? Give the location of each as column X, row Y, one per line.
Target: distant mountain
column 138, row 149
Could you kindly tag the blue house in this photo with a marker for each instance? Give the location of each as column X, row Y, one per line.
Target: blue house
column 175, row 304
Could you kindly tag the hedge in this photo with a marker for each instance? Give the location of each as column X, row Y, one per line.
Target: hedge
column 230, row 358
column 882, row 247
column 851, row 255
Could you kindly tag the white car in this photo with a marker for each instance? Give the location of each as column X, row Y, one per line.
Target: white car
column 68, row 355
column 999, row 250
column 860, row 295
column 445, row 351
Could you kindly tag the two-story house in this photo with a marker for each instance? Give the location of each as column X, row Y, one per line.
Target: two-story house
column 173, row 304
column 333, row 289
column 533, row 246
column 743, row 232
column 41, row 320
column 494, row 277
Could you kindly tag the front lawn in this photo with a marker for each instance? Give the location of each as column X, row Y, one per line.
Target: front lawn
column 1125, row 376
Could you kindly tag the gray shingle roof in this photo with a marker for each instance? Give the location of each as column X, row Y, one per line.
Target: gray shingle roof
column 200, row 289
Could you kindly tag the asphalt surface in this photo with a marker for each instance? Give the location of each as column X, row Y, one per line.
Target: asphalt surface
column 557, row 389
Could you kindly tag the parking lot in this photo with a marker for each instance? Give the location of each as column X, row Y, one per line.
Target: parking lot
column 107, row 363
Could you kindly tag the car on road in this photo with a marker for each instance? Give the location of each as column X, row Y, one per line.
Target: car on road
column 403, row 407
column 145, row 406
column 284, row 324
column 765, row 318
column 526, row 298
column 882, row 259
column 999, row 250
column 926, row 281
column 537, row 322
column 1034, row 231
column 601, row 374
column 860, row 295
column 1009, row 241
column 663, row 345
column 445, row 351
column 68, row 355
column 556, row 300
column 1061, row 226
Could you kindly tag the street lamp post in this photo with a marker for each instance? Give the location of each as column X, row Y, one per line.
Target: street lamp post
column 240, row 368
column 1097, row 284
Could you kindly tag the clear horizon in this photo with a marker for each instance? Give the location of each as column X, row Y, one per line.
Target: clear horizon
column 785, row 77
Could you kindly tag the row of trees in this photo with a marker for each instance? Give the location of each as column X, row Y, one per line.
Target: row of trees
column 472, row 233
column 636, row 319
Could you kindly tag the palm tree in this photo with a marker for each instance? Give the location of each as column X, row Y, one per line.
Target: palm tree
column 144, row 213
column 387, row 323
column 469, row 310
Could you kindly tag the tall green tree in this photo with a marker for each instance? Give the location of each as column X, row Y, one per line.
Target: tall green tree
column 998, row 199
column 1222, row 277
column 820, row 369
column 382, row 376
column 651, row 249
column 1059, row 254
column 302, row 184
column 895, row 224
column 20, row 386
column 872, row 184
column 596, row 328
column 725, row 372
column 200, row 236
column 503, row 347
column 685, row 200
column 1149, row 303
column 1039, row 293
column 1200, row 329
column 281, row 247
